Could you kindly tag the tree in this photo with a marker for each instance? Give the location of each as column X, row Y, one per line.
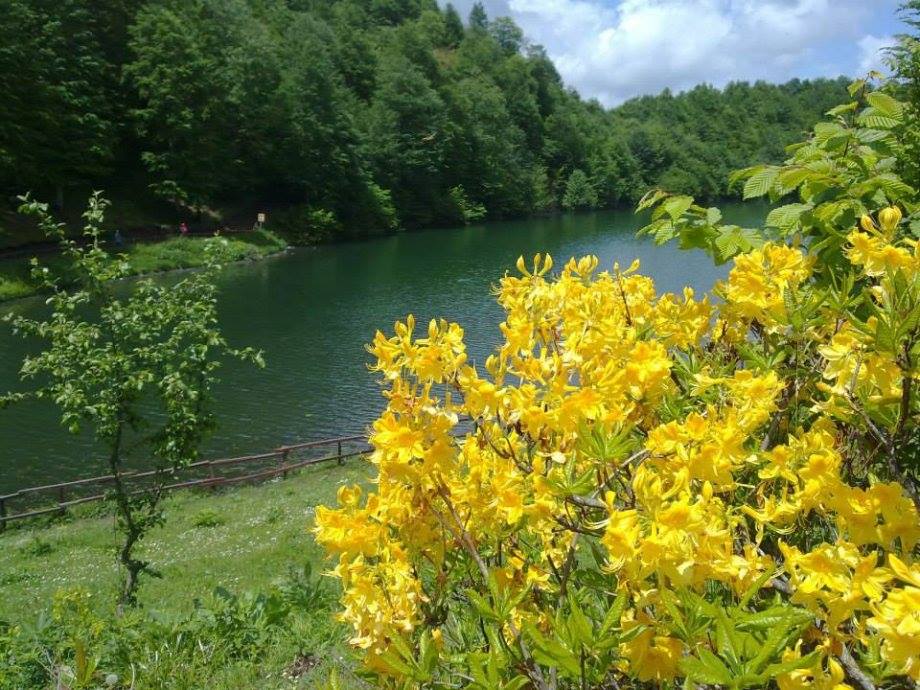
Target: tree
column 406, row 137
column 137, row 370
column 478, row 19
column 579, row 192
column 187, row 118
column 453, row 25
column 57, row 116
column 507, row 34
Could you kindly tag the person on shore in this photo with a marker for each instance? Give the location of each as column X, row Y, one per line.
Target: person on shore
column 183, row 229
column 119, row 240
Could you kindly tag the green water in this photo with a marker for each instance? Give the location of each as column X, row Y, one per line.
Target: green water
column 313, row 310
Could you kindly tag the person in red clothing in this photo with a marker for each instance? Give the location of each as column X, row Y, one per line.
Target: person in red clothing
column 183, row 229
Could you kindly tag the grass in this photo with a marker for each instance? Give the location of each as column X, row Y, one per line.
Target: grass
column 144, row 258
column 243, row 541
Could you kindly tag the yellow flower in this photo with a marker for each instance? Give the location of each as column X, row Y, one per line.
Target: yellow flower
column 888, row 219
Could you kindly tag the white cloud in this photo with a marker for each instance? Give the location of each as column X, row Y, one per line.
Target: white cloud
column 872, row 53
column 616, row 50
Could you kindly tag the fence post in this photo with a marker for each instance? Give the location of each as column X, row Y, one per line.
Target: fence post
column 61, row 497
column 2, row 514
column 339, row 453
column 284, row 457
column 212, row 477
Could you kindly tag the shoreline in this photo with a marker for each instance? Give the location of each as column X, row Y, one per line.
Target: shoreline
column 148, row 258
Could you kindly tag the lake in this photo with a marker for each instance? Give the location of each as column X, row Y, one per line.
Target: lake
column 313, row 310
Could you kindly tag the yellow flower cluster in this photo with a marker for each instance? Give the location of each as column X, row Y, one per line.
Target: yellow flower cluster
column 614, row 423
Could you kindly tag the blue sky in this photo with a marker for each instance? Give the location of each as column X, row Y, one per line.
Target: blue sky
column 616, row 49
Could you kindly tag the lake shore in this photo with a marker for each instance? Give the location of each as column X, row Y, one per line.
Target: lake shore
column 145, row 258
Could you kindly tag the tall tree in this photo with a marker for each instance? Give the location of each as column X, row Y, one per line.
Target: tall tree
column 57, row 114
column 454, row 25
column 478, row 19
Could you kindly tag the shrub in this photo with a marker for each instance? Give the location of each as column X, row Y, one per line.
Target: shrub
column 661, row 489
column 579, row 192
column 304, row 225
column 465, row 210
column 208, row 518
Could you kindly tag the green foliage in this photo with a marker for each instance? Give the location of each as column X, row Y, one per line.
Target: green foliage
column 170, row 642
column 136, row 370
column 58, row 116
column 467, row 211
column 16, row 279
column 845, row 169
column 579, row 192
column 371, row 110
column 305, row 225
column 208, row 517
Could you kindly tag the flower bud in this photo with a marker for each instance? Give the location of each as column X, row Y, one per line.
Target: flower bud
column 889, row 218
column 866, row 223
column 521, row 266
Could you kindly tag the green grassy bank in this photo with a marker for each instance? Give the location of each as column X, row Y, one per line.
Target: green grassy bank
column 241, row 603
column 150, row 257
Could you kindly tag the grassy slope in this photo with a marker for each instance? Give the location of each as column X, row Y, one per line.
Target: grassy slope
column 264, row 532
column 179, row 252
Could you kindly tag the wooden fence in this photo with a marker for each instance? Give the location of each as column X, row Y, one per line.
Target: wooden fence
column 34, row 501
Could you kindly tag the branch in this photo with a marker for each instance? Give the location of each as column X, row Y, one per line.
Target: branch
column 856, row 674
column 536, row 675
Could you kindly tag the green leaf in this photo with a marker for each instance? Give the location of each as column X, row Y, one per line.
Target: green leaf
column 677, row 205
column 706, row 668
column 885, row 104
column 792, row 665
column 782, row 614
column 759, row 183
column 786, row 217
column 551, row 653
column 578, row 623
column 875, row 121
column 843, row 108
column 483, row 608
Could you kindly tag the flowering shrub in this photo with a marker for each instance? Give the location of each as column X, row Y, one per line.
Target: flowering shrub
column 659, row 489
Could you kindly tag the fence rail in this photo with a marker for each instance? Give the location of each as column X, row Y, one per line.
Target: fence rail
column 204, row 474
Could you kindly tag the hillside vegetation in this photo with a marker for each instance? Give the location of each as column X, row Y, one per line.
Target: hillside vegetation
column 354, row 116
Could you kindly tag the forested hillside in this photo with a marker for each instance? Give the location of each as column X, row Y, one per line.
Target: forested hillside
column 356, row 115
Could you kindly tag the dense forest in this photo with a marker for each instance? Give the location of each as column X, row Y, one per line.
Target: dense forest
column 354, row 115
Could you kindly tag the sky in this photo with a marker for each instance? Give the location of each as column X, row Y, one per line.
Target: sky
column 613, row 50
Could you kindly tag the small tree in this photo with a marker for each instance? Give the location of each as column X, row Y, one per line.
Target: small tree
column 137, row 369
column 579, row 192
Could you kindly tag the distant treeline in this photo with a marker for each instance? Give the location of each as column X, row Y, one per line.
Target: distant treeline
column 366, row 114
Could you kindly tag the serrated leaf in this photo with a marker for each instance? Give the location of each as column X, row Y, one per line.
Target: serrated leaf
column 856, row 86
column 843, row 108
column 875, row 121
column 885, row 104
column 677, row 205
column 759, row 183
column 785, row 217
column 652, row 197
